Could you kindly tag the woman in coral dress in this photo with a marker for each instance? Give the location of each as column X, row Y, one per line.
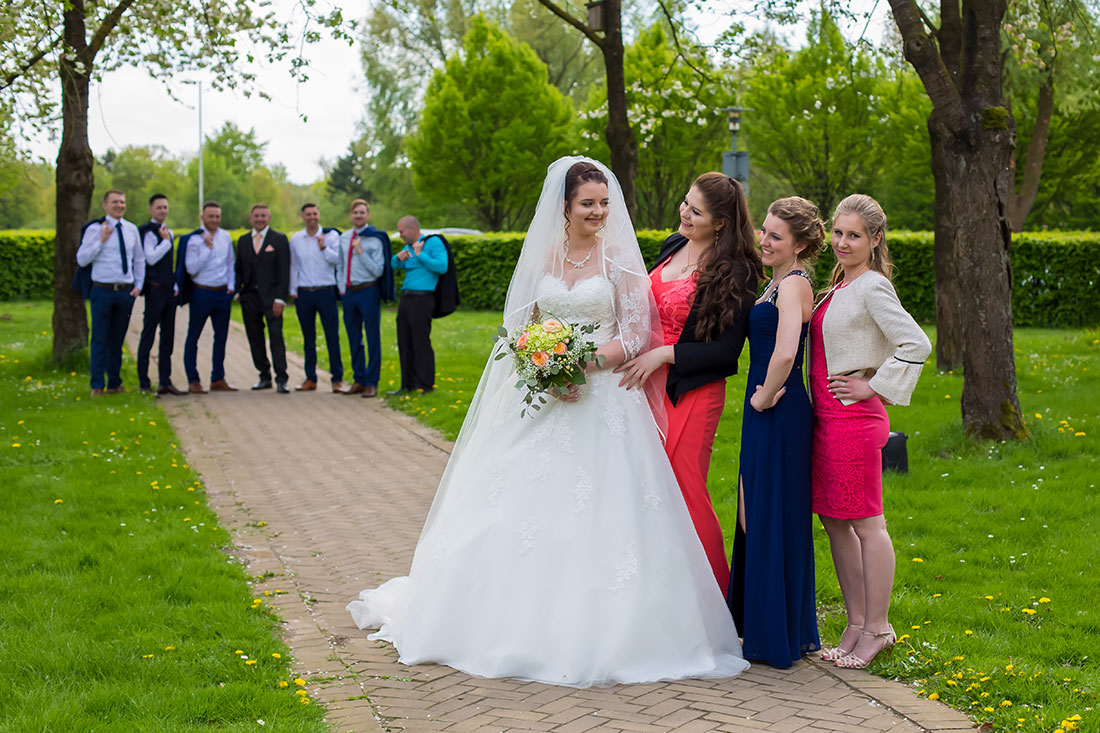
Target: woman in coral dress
column 705, row 283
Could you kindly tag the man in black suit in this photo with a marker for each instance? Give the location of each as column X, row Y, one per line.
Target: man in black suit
column 263, row 281
column 160, row 297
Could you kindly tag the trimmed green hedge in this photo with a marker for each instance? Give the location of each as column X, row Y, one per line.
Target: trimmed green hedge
column 1055, row 279
column 26, row 264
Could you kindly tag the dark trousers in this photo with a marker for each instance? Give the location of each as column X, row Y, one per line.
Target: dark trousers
column 214, row 305
column 254, row 313
column 309, row 305
column 414, row 340
column 363, row 311
column 160, row 313
column 110, row 319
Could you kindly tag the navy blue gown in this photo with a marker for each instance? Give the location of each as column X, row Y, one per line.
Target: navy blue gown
column 771, row 591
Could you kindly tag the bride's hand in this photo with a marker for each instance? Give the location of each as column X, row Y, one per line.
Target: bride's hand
column 639, row 369
column 572, row 395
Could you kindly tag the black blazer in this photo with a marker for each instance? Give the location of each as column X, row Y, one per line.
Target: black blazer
column 702, row 362
column 271, row 266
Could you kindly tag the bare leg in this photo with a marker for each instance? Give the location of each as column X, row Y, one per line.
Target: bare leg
column 878, row 582
column 741, row 503
column 844, row 544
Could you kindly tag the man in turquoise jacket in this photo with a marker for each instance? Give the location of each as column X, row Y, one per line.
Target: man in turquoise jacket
column 424, row 259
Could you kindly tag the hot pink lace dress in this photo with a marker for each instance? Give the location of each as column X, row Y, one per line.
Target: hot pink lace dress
column 846, row 463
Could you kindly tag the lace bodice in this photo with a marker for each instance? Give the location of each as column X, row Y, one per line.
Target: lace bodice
column 588, row 301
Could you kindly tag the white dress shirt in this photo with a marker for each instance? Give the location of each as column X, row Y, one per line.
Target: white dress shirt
column 211, row 267
column 104, row 257
column 366, row 267
column 311, row 266
column 154, row 247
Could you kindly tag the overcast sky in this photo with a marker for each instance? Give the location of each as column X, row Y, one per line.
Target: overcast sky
column 129, row 108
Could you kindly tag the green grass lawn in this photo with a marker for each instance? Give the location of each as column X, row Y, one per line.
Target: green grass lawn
column 997, row 587
column 120, row 608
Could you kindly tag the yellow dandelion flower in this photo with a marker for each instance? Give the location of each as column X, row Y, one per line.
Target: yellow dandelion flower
column 915, row 628
column 283, row 683
column 250, row 662
column 1044, row 599
column 988, row 709
column 1006, row 703
column 57, row 501
column 1079, row 435
column 301, row 692
column 917, row 559
column 968, row 632
column 305, row 700
column 147, row 656
column 989, row 598
column 1028, row 611
column 239, row 651
column 1038, row 416
column 934, row 696
column 300, row 682
column 169, row 649
column 277, row 655
column 903, row 637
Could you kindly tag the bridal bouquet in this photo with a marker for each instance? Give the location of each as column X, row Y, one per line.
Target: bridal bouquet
column 549, row 356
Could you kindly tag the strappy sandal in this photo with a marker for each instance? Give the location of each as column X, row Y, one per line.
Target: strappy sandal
column 851, row 661
column 833, row 654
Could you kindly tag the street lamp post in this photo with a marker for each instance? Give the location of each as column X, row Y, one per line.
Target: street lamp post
column 735, row 163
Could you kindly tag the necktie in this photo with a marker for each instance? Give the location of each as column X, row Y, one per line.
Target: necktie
column 257, row 242
column 121, row 248
column 354, row 236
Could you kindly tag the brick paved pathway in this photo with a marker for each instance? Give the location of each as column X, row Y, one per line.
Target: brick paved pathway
column 289, row 476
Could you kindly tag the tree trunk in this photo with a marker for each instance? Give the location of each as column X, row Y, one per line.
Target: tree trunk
column 75, row 183
column 978, row 187
column 1033, row 161
column 948, row 345
column 620, row 136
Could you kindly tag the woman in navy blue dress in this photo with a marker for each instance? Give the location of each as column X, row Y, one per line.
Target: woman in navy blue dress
column 771, row 592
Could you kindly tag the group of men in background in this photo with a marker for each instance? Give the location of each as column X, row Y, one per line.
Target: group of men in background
column 315, row 267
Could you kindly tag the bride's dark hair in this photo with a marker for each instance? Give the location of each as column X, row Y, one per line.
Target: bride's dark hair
column 728, row 271
column 582, row 172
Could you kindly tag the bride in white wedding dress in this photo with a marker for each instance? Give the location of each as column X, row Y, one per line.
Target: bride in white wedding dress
column 559, row 548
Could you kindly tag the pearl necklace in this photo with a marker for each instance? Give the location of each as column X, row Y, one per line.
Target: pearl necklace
column 582, row 263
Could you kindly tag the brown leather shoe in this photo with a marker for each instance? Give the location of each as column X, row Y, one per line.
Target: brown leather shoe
column 222, row 386
column 370, row 391
column 115, row 390
column 357, row 388
column 97, row 392
column 196, row 388
column 170, row 389
column 307, row 386
column 339, row 387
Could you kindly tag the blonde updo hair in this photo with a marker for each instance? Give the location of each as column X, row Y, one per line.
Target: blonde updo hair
column 804, row 221
column 874, row 221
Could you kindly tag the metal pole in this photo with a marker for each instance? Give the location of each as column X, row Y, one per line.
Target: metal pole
column 202, row 199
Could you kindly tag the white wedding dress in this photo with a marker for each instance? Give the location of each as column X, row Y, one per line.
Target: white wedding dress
column 559, row 548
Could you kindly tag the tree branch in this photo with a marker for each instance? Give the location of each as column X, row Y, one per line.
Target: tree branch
column 676, row 40
column 107, row 26
column 12, row 76
column 921, row 52
column 927, row 21
column 583, row 28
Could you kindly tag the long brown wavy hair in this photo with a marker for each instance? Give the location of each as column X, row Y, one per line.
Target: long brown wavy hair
column 728, row 273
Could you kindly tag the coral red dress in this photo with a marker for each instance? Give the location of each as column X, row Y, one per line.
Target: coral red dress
column 692, row 424
column 846, row 463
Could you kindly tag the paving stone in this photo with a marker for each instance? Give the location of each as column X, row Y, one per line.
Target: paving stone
column 341, row 517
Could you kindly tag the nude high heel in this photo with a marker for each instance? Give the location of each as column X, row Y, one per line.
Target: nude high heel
column 832, row 654
column 889, row 639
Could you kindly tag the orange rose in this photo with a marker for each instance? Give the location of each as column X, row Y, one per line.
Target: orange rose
column 523, row 340
column 551, row 325
column 560, row 347
column 540, row 359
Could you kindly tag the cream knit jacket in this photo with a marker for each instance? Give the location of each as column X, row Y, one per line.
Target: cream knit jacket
column 867, row 333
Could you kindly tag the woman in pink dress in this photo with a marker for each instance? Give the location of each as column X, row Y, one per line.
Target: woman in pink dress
column 705, row 283
column 865, row 349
